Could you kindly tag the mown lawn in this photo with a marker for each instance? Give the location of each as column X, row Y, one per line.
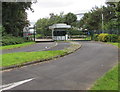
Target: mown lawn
column 107, row 82
column 17, row 45
column 23, row 57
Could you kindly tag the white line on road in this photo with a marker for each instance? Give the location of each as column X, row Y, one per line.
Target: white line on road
column 46, row 48
column 12, row 85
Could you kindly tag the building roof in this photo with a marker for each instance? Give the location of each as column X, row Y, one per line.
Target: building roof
column 59, row 26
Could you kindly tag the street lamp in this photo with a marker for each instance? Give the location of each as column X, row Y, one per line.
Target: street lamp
column 102, row 23
column 34, row 31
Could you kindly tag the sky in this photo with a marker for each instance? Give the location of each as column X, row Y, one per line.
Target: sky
column 43, row 8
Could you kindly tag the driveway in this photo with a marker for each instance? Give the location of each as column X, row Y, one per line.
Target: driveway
column 76, row 71
column 42, row 46
column 35, row 47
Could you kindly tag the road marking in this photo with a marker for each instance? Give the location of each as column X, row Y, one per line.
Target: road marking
column 12, row 85
column 47, row 48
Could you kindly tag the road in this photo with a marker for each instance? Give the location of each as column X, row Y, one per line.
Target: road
column 42, row 46
column 76, row 71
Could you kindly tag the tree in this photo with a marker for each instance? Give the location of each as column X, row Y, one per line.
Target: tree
column 14, row 17
column 44, row 23
column 70, row 19
column 118, row 16
column 42, row 26
column 93, row 19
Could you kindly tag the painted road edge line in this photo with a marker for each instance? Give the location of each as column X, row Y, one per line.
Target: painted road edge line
column 15, row 84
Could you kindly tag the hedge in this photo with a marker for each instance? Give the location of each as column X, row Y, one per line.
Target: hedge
column 11, row 40
column 96, row 37
column 104, row 37
column 114, row 38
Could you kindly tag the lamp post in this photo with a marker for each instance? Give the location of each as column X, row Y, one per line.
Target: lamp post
column 102, row 23
column 34, row 31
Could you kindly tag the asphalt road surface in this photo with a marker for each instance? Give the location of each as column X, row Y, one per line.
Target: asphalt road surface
column 34, row 47
column 39, row 47
column 76, row 71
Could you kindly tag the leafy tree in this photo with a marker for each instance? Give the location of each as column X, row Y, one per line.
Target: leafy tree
column 14, row 17
column 93, row 19
column 42, row 26
column 118, row 17
column 44, row 23
column 70, row 19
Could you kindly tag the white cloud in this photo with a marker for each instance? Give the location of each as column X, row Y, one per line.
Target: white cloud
column 44, row 7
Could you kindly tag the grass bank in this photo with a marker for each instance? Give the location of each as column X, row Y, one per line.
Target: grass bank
column 116, row 44
column 24, row 57
column 88, row 38
column 107, row 82
column 17, row 45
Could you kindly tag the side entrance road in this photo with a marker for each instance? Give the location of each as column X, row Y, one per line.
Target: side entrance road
column 45, row 46
column 77, row 71
column 35, row 47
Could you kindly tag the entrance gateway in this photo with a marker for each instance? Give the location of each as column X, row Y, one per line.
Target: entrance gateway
column 60, row 31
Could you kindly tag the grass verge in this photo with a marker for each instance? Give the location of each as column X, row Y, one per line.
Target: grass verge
column 24, row 57
column 116, row 44
column 107, row 82
column 17, row 45
column 21, row 58
column 87, row 38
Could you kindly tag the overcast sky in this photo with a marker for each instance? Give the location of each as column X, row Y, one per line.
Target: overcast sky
column 43, row 8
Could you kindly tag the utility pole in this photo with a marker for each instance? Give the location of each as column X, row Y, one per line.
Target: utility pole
column 34, row 31
column 102, row 23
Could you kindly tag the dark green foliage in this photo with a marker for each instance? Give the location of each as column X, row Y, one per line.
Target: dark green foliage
column 42, row 25
column 114, row 38
column 75, row 32
column 14, row 17
column 70, row 19
column 93, row 19
column 11, row 40
column 96, row 37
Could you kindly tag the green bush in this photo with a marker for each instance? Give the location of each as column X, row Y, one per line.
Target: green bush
column 11, row 40
column 96, row 37
column 104, row 37
column 114, row 38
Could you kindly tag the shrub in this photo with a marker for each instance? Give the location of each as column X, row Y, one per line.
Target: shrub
column 104, row 37
column 11, row 40
column 114, row 38
column 96, row 37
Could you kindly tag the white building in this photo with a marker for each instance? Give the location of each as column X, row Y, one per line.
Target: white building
column 60, row 31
